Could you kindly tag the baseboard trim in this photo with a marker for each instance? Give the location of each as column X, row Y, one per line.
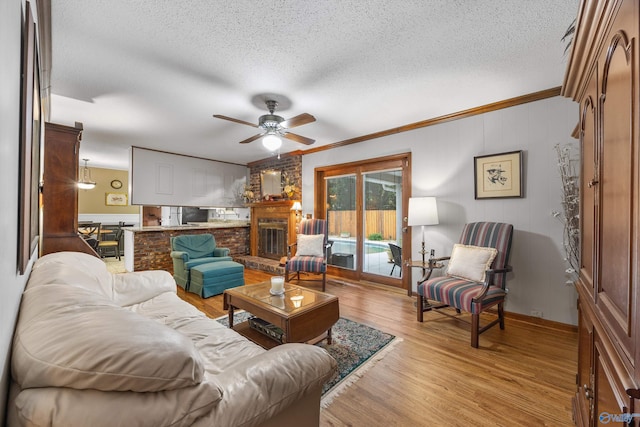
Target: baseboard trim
column 538, row 321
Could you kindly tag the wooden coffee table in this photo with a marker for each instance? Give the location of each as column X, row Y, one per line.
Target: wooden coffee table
column 302, row 314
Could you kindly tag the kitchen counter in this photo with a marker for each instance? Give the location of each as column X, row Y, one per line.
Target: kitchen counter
column 191, row 226
column 149, row 247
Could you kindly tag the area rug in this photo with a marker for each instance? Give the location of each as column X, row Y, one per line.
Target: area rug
column 356, row 348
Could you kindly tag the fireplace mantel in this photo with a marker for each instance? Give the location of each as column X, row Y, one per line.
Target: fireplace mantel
column 278, row 210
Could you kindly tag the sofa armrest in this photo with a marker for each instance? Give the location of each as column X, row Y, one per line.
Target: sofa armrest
column 221, row 252
column 139, row 286
column 271, row 381
column 184, row 256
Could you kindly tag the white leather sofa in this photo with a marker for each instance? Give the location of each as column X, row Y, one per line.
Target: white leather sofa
column 93, row 348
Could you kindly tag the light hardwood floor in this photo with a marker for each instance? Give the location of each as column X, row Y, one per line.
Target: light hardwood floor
column 522, row 376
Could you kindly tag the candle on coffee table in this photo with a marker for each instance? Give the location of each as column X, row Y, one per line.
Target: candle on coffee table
column 277, row 284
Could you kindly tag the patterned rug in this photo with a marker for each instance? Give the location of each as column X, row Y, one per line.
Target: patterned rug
column 356, row 348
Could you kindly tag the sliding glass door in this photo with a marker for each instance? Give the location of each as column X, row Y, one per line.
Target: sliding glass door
column 382, row 225
column 342, row 220
column 364, row 204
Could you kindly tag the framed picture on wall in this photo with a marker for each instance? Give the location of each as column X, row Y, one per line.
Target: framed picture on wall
column 498, row 175
column 116, row 199
column 31, row 132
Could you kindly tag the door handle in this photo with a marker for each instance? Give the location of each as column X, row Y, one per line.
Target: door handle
column 588, row 393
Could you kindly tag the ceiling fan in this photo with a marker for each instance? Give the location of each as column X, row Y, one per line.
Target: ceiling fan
column 274, row 126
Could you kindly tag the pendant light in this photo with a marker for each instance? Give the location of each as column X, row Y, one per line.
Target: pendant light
column 86, row 183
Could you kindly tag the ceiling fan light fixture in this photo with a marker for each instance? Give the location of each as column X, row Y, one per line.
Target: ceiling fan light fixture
column 273, row 127
column 272, row 142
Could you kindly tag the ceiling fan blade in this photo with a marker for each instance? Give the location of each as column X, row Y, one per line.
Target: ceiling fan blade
column 253, row 138
column 299, row 120
column 231, row 119
column 298, row 138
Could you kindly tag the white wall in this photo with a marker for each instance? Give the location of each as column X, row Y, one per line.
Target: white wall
column 12, row 284
column 442, row 166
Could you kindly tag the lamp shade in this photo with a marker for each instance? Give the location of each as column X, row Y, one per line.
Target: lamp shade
column 423, row 211
column 296, row 206
column 86, row 185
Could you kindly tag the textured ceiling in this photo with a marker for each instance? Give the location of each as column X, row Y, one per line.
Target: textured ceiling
column 151, row 73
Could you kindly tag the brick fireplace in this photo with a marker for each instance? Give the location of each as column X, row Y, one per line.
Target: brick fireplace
column 273, row 228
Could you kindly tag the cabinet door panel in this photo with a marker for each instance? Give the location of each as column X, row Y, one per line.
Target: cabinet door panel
column 588, row 188
column 610, row 400
column 585, row 386
column 164, row 178
column 616, row 189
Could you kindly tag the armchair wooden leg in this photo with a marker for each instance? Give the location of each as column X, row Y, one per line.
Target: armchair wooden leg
column 501, row 315
column 475, row 329
column 420, row 307
column 324, row 282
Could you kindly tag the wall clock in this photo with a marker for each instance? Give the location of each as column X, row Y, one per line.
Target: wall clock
column 116, row 183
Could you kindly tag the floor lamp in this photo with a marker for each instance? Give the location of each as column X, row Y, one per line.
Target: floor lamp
column 422, row 211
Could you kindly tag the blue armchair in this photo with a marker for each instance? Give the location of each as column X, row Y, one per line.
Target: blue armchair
column 190, row 250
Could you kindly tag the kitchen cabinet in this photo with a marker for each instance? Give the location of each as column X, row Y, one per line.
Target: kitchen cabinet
column 602, row 76
column 166, row 179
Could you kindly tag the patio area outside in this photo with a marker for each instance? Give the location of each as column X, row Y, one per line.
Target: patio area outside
column 377, row 257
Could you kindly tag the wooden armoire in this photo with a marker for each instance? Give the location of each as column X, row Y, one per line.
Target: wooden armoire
column 60, row 190
column 603, row 77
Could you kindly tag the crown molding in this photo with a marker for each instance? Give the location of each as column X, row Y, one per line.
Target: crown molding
column 507, row 103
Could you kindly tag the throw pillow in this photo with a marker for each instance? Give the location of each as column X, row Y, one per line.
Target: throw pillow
column 470, row 262
column 310, row 245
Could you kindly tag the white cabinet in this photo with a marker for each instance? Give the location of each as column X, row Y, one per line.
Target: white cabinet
column 165, row 179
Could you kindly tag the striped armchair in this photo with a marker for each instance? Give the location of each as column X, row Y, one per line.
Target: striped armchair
column 310, row 259
column 472, row 288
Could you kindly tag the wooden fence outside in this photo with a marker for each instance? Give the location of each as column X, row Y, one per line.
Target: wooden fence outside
column 382, row 222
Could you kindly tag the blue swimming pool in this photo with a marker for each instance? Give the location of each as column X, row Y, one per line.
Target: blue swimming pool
column 342, row 245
